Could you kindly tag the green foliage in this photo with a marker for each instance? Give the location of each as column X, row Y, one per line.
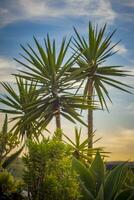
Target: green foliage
column 93, row 51
column 99, row 184
column 80, row 148
column 17, row 102
column 48, row 173
column 8, row 184
column 46, row 90
column 58, row 134
column 129, row 183
column 8, row 142
column 51, row 71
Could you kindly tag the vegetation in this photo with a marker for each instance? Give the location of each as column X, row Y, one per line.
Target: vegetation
column 9, row 187
column 93, row 52
column 17, row 101
column 80, row 148
column 51, row 72
column 48, row 173
column 8, row 142
column 50, row 86
column 99, row 184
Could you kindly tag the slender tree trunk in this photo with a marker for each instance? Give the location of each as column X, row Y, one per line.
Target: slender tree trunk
column 90, row 128
column 58, row 120
column 90, row 115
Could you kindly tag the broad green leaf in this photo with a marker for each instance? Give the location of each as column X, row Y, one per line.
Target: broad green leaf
column 114, row 181
column 98, row 168
column 85, row 175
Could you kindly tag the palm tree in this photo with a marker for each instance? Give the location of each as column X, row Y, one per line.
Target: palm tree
column 51, row 72
column 92, row 53
column 16, row 101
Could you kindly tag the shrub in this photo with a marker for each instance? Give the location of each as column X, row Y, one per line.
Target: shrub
column 9, row 187
column 48, row 173
column 8, row 143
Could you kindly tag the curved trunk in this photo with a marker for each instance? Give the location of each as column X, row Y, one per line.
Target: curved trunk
column 90, row 115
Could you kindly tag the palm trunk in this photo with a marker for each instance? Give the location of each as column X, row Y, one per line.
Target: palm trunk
column 57, row 107
column 58, row 120
column 90, row 128
column 90, row 115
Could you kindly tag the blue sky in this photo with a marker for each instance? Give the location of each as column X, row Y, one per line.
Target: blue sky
column 21, row 19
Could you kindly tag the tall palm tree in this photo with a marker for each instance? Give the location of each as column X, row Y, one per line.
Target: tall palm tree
column 16, row 102
column 50, row 69
column 92, row 72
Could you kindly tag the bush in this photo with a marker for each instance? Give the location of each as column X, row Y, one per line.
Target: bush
column 48, row 173
column 8, row 143
column 9, row 187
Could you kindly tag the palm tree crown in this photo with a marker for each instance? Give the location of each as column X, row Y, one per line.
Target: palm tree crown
column 91, row 55
column 52, row 74
column 17, row 101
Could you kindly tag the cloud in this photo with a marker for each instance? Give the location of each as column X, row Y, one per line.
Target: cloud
column 129, row 3
column 122, row 50
column 119, row 142
column 44, row 9
column 7, row 67
column 125, row 9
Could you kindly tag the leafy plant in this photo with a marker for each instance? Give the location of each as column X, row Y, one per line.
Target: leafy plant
column 8, row 142
column 93, row 75
column 80, row 148
column 6, row 182
column 99, row 184
column 48, row 173
column 9, row 187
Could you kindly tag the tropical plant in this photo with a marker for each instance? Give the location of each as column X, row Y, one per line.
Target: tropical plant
column 8, row 142
column 92, row 74
column 52, row 73
column 48, row 173
column 99, row 184
column 80, row 148
column 17, row 101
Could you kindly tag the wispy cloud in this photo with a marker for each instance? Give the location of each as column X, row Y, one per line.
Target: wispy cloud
column 44, row 9
column 126, row 13
column 122, row 50
column 129, row 3
column 119, row 142
column 7, row 67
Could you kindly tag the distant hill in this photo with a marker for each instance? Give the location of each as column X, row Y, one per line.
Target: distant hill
column 16, row 168
column 112, row 164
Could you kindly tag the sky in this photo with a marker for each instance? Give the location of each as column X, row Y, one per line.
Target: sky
column 20, row 20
